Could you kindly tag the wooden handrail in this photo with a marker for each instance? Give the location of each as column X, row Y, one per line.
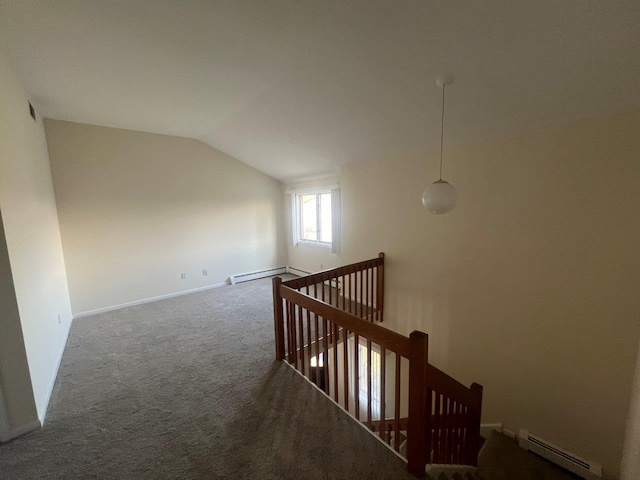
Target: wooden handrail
column 382, row 336
column 441, row 382
column 332, row 273
column 330, row 323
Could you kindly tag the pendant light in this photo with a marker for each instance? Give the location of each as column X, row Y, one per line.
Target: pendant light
column 440, row 197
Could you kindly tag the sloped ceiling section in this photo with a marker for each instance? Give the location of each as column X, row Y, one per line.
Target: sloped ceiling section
column 298, row 88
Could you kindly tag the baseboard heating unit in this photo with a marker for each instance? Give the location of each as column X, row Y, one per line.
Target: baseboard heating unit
column 297, row 271
column 555, row 454
column 245, row 277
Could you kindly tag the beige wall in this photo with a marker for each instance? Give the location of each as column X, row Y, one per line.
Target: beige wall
column 33, row 244
column 530, row 285
column 309, row 258
column 138, row 209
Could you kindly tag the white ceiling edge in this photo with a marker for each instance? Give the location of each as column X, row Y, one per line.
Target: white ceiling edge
column 332, row 176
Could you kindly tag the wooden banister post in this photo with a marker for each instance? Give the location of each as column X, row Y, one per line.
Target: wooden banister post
column 278, row 318
column 417, row 448
column 380, row 288
column 473, row 426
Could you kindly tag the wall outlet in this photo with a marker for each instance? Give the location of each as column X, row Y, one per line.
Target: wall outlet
column 205, row 273
column 321, row 266
column 183, row 276
column 59, row 319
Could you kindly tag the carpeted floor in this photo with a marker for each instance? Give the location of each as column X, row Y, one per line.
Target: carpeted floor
column 503, row 459
column 188, row 388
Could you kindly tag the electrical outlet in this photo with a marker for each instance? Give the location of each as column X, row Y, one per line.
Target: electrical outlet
column 183, row 276
column 59, row 319
column 321, row 266
column 205, row 273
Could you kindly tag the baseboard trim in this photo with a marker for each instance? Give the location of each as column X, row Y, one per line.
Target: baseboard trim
column 55, row 376
column 21, row 430
column 276, row 271
column 147, row 300
column 487, row 428
column 297, row 271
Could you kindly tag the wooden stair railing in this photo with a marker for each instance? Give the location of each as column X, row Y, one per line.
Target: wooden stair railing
column 326, row 327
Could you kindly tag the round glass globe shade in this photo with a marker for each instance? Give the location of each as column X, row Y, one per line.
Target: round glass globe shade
column 440, row 197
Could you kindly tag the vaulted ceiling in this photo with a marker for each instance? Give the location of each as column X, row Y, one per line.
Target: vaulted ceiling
column 297, row 88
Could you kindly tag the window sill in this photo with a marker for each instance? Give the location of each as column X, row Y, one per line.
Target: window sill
column 314, row 244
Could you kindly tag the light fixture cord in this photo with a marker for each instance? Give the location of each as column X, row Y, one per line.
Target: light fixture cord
column 442, row 130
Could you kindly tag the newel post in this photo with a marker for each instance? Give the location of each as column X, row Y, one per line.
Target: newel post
column 473, row 426
column 278, row 318
column 380, row 288
column 417, row 448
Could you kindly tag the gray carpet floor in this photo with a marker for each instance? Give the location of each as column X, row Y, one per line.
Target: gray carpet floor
column 503, row 459
column 188, row 388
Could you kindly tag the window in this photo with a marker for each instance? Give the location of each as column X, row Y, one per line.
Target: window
column 315, row 217
column 363, row 380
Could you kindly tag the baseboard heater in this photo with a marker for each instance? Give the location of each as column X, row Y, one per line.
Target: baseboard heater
column 297, row 271
column 555, row 454
column 245, row 277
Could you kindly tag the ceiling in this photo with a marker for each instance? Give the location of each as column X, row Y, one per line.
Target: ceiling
column 297, row 88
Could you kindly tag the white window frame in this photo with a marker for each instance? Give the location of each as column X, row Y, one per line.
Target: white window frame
column 296, row 222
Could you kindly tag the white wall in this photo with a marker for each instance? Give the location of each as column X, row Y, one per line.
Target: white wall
column 30, row 221
column 17, row 405
column 138, row 209
column 631, row 455
column 305, row 256
column 530, row 285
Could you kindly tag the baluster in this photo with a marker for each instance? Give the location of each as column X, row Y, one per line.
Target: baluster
column 447, row 453
column 380, row 287
column 289, row 344
column 463, row 434
column 345, row 362
column 317, row 335
column 294, row 348
column 356, row 379
column 369, row 383
column 349, row 294
column 370, row 294
column 335, row 362
column 458, row 424
column 361, row 299
column 437, row 431
column 325, row 355
column 309, row 339
column 322, row 285
column 366, row 293
column 396, row 420
column 375, row 286
column 383, row 389
column 452, row 432
column 301, row 334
